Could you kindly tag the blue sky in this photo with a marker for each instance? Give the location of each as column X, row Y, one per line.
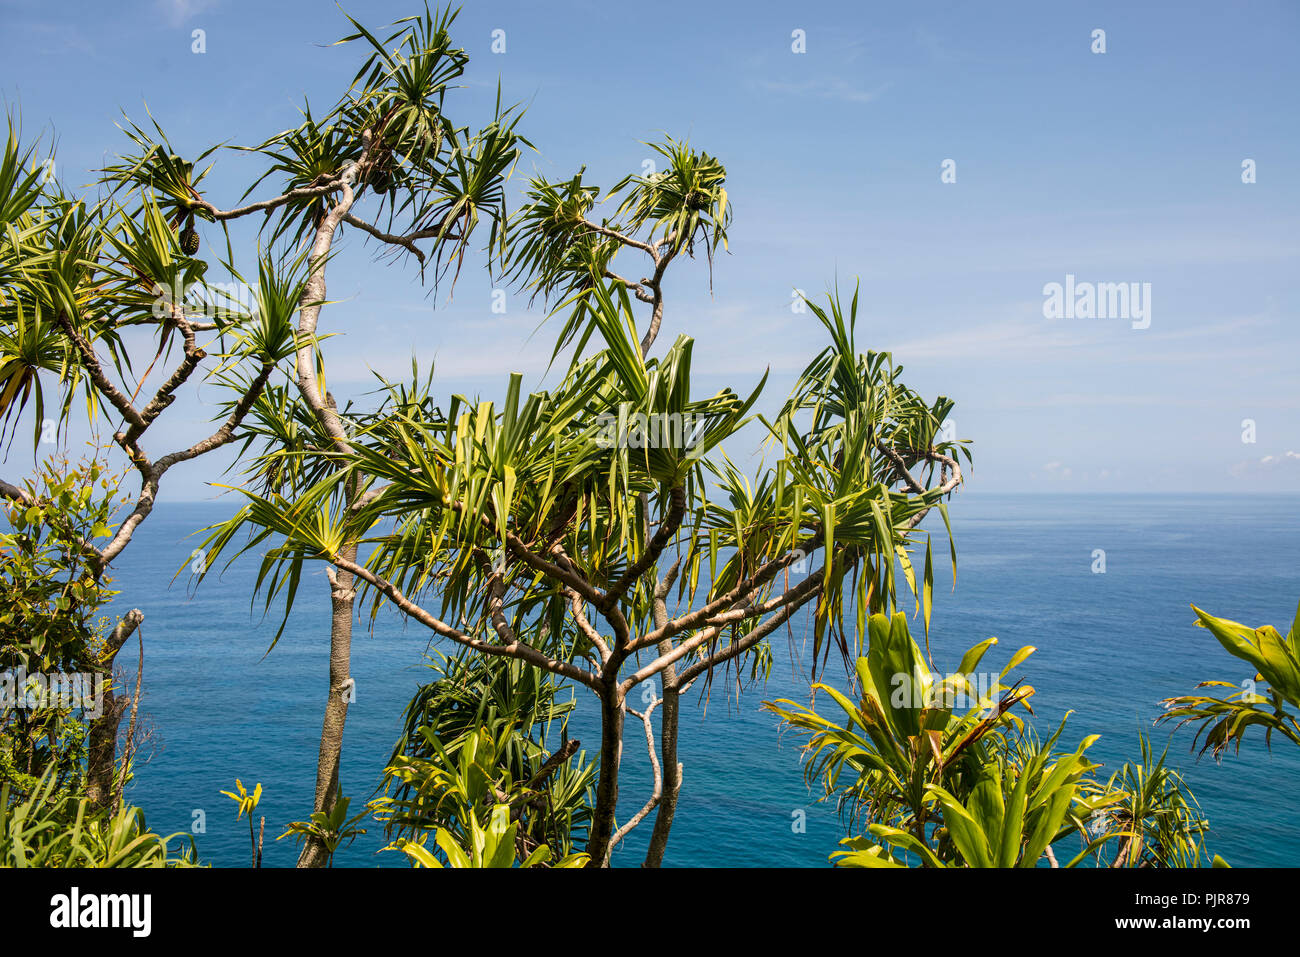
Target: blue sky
column 1115, row 167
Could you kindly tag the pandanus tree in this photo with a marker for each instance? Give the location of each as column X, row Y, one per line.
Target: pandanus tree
column 86, row 281
column 434, row 183
column 597, row 530
column 565, row 529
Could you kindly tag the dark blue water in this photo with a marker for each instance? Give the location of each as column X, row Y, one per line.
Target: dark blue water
column 1110, row 646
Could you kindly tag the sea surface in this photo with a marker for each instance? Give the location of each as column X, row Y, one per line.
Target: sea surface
column 1110, row 646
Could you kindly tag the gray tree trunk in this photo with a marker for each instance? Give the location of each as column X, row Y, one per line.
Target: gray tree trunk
column 101, row 740
column 342, row 599
column 611, row 756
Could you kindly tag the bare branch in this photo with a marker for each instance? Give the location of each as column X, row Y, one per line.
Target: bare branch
column 900, row 466
column 745, row 588
column 226, row 433
column 313, row 296
column 269, row 205
column 513, row 648
column 585, row 626
column 90, row 362
column 636, row 288
column 151, row 475
column 166, row 393
column 119, row 635
column 787, row 604
column 621, row 238
column 655, row 283
column 651, row 804
column 407, row 240
column 945, row 488
column 743, row 644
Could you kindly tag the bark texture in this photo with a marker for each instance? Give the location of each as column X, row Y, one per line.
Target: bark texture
column 600, row 843
column 101, row 740
column 342, row 599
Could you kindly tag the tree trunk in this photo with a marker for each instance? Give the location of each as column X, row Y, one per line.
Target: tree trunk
column 342, row 599
column 611, row 755
column 672, row 769
column 101, row 740
column 342, row 596
column 101, row 749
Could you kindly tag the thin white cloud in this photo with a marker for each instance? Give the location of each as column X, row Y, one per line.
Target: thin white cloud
column 830, row 88
column 179, row 11
column 1266, row 464
column 1053, row 471
column 1033, row 337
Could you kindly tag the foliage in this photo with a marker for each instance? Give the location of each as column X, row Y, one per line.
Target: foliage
column 555, row 247
column 532, row 534
column 331, row 827
column 904, row 737
column 490, row 845
column 1225, row 721
column 1156, row 822
column 46, row 829
column 447, row 490
column 439, row 179
column 81, row 278
column 928, row 784
column 51, row 603
column 475, row 738
column 247, row 804
column 513, row 519
column 50, row 596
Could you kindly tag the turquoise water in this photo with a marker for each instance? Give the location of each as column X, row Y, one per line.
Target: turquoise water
column 1110, row 646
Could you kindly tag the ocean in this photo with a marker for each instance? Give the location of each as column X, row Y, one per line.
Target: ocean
column 1110, row 646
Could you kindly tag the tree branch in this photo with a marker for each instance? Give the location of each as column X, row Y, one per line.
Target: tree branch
column 585, row 626
column 651, row 804
column 406, row 241
column 268, row 205
column 701, row 616
column 621, row 238
column 667, row 529
column 513, row 649
column 748, row 641
column 90, row 362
